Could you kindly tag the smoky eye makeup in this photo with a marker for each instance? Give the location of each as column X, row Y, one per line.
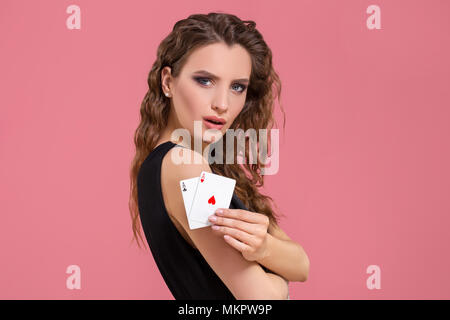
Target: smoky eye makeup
column 204, row 80
column 243, row 86
column 201, row 80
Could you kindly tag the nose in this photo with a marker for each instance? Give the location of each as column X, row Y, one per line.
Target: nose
column 220, row 103
column 220, row 109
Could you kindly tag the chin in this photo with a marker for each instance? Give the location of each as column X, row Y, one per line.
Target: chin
column 212, row 139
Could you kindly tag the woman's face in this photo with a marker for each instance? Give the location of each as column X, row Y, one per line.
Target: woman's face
column 212, row 83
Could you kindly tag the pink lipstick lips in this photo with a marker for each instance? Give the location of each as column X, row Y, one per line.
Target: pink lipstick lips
column 212, row 122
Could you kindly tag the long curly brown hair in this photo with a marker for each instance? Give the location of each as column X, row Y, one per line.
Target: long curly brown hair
column 187, row 34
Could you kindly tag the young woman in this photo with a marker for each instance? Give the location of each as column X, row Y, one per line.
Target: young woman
column 213, row 65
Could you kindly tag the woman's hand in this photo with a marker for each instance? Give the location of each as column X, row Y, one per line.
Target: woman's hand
column 246, row 231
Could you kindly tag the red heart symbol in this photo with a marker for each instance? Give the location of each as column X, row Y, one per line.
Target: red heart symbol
column 212, row 200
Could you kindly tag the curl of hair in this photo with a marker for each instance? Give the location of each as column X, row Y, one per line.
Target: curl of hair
column 195, row 31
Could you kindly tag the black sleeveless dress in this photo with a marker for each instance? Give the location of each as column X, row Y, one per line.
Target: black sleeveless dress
column 183, row 268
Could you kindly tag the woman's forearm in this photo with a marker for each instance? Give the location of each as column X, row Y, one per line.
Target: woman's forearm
column 286, row 258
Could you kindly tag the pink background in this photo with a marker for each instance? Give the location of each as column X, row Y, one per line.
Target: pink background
column 364, row 175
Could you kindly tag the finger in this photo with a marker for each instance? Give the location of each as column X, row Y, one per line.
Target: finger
column 238, row 224
column 240, row 235
column 238, row 245
column 244, row 215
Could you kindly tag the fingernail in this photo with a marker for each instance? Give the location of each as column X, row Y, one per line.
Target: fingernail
column 212, row 218
column 215, row 227
column 219, row 211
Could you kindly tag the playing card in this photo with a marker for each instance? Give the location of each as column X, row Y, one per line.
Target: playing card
column 213, row 191
column 188, row 187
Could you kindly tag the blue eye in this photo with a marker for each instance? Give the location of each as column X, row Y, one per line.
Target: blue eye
column 242, row 86
column 201, row 81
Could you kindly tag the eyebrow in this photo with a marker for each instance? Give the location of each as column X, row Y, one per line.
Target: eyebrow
column 209, row 74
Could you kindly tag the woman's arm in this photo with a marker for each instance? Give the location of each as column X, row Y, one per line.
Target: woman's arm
column 260, row 240
column 287, row 258
column 245, row 279
column 281, row 285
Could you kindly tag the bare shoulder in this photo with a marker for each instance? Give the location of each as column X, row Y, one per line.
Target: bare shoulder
column 184, row 161
column 178, row 164
column 245, row 279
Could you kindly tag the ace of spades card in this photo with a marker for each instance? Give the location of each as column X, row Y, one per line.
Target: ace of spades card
column 203, row 195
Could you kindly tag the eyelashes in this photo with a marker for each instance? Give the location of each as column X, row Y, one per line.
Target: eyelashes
column 199, row 80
